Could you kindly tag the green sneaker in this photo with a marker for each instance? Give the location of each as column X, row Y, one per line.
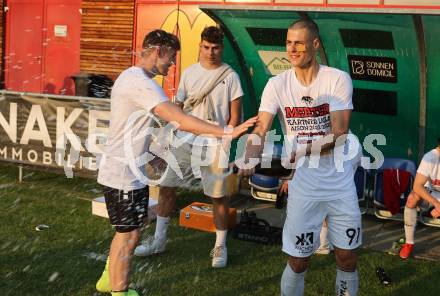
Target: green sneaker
column 396, row 246
column 395, row 249
column 130, row 292
column 103, row 284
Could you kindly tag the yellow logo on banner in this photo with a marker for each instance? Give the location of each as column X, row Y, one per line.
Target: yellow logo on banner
column 189, row 35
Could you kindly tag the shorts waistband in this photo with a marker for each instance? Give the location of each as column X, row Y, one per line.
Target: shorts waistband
column 125, row 194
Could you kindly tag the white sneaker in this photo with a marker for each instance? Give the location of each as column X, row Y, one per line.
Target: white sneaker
column 219, row 256
column 150, row 246
column 323, row 250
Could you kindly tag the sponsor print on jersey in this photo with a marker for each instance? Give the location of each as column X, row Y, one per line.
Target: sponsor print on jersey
column 308, row 123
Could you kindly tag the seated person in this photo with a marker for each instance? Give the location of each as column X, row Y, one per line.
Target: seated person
column 425, row 194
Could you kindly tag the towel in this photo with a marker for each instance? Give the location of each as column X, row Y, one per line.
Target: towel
column 395, row 183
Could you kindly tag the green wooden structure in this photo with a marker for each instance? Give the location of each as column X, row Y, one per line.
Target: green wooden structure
column 392, row 56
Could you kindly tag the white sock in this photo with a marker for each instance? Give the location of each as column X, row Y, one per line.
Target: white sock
column 220, row 238
column 347, row 283
column 292, row 283
column 161, row 227
column 323, row 241
column 410, row 218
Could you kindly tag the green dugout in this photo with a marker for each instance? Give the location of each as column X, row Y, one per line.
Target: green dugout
column 392, row 57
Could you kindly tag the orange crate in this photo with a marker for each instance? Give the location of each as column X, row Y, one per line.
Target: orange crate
column 200, row 216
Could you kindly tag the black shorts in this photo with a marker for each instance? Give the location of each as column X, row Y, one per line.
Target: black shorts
column 126, row 210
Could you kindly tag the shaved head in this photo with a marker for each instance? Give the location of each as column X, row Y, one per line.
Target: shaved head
column 309, row 25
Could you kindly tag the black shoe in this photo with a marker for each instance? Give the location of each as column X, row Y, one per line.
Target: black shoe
column 244, row 219
column 382, row 276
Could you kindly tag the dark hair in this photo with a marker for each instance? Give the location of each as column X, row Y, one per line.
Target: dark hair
column 308, row 24
column 438, row 141
column 161, row 38
column 212, row 34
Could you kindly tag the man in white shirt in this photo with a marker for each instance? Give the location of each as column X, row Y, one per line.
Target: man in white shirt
column 314, row 104
column 426, row 194
column 135, row 99
column 209, row 90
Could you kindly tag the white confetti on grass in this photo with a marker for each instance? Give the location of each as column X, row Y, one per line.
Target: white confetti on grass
column 2, row 186
column 140, row 269
column 27, row 268
column 96, row 256
column 29, row 175
column 53, row 276
column 5, row 245
column 14, row 204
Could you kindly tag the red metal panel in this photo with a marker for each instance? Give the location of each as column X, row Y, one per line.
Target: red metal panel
column 23, row 56
column 187, row 21
column 145, row 23
column 61, row 46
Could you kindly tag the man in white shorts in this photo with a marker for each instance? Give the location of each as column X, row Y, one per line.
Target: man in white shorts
column 426, row 194
column 324, row 246
column 314, row 103
column 135, row 98
column 209, row 90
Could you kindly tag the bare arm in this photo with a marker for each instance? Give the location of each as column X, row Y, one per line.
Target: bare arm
column 420, row 189
column 263, row 124
column 172, row 113
column 235, row 112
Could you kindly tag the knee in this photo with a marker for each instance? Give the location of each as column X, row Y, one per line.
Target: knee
column 413, row 200
column 134, row 234
column 134, row 238
column 129, row 231
column 219, row 201
column 128, row 238
column 346, row 260
column 297, row 264
column 166, row 192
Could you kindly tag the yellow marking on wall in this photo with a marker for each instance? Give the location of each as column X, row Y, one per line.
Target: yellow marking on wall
column 189, row 34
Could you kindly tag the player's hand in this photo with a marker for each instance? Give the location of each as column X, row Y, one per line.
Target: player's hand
column 293, row 157
column 246, row 172
column 243, row 128
column 241, row 172
column 158, row 164
column 289, row 162
column 436, row 211
column 284, row 189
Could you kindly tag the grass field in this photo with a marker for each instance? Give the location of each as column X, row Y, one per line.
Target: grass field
column 61, row 260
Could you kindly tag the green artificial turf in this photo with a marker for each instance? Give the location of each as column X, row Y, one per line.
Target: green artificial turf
column 67, row 258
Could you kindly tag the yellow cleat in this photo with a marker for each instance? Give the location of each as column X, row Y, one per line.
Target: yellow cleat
column 103, row 284
column 130, row 292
